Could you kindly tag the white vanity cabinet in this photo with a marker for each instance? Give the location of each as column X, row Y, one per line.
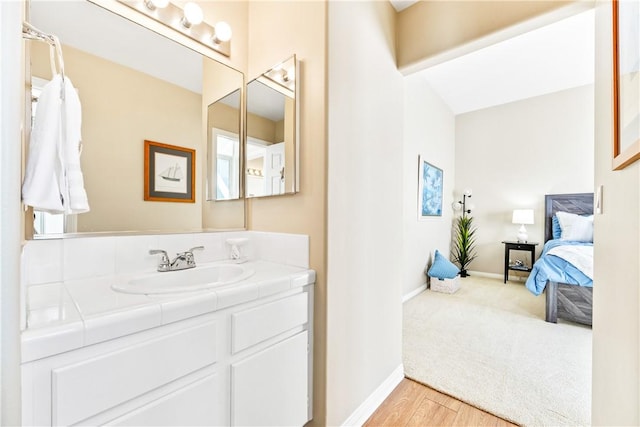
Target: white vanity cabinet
column 271, row 386
column 249, row 364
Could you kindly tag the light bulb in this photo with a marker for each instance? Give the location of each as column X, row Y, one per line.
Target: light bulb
column 456, row 206
column 156, row 4
column 291, row 72
column 222, row 32
column 470, row 206
column 468, row 192
column 192, row 15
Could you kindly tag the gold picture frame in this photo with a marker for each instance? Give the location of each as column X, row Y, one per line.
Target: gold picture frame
column 626, row 83
column 169, row 173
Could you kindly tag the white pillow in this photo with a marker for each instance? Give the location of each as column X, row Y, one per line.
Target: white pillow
column 575, row 227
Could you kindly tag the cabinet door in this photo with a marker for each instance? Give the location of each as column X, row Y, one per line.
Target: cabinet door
column 270, row 388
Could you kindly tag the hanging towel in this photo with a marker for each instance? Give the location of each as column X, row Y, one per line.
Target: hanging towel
column 53, row 179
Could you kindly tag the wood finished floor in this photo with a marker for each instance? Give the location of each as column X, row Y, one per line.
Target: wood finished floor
column 413, row 404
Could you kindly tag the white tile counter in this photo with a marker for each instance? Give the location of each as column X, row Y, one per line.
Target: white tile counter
column 66, row 315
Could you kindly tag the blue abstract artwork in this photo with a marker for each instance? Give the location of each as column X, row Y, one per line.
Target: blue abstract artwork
column 430, row 203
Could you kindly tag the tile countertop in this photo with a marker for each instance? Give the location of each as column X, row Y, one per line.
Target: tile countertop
column 63, row 316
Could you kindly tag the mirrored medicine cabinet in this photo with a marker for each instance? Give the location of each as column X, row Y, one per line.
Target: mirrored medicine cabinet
column 272, row 132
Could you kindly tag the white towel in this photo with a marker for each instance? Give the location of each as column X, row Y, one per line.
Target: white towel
column 53, row 179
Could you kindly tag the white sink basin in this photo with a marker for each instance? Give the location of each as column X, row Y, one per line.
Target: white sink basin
column 193, row 279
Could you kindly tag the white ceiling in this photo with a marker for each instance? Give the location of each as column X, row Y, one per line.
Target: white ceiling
column 93, row 29
column 399, row 5
column 550, row 59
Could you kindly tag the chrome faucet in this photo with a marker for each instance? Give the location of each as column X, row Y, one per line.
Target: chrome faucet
column 182, row 261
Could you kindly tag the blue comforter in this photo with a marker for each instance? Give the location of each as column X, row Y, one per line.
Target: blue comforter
column 551, row 267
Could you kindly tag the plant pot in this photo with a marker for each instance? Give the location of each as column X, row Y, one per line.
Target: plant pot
column 463, row 273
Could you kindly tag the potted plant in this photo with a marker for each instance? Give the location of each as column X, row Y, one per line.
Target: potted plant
column 464, row 239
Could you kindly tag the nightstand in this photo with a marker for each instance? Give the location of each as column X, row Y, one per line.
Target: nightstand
column 517, row 246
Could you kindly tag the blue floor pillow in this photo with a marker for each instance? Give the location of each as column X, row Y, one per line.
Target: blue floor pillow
column 442, row 268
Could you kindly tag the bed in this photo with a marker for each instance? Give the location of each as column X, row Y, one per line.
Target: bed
column 564, row 269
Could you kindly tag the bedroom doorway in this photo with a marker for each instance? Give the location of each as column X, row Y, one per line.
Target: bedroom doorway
column 517, row 136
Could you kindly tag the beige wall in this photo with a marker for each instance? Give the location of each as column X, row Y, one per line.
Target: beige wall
column 429, row 129
column 300, row 29
column 512, row 155
column 616, row 297
column 222, row 116
column 433, row 31
column 261, row 128
column 122, row 108
column 365, row 205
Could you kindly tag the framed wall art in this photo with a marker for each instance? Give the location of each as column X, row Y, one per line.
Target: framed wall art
column 626, row 83
column 430, row 186
column 169, row 173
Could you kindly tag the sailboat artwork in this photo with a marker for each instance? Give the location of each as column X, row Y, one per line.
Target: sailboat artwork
column 169, row 173
column 172, row 173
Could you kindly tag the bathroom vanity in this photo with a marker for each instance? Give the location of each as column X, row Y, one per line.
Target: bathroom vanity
column 234, row 354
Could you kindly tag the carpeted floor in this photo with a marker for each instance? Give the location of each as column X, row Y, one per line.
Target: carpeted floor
column 488, row 345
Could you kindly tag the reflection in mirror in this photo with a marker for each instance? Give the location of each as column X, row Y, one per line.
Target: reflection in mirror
column 223, row 135
column 272, row 139
column 134, row 85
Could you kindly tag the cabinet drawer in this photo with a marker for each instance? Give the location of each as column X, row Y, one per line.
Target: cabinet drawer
column 193, row 405
column 255, row 325
column 84, row 389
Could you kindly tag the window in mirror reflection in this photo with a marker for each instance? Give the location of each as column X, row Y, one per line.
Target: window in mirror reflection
column 224, row 129
column 227, row 164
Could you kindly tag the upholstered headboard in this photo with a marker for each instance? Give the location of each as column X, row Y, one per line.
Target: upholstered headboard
column 577, row 203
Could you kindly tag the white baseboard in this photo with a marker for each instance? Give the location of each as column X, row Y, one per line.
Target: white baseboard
column 369, row 406
column 413, row 293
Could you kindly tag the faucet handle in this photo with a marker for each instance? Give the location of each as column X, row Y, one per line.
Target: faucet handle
column 159, row 251
column 164, row 260
column 188, row 255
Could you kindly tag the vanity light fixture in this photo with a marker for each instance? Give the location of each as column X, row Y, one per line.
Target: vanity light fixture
column 193, row 15
column 156, row 4
column 283, row 76
column 188, row 21
column 221, row 32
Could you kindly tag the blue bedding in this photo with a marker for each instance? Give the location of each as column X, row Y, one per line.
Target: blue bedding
column 551, row 267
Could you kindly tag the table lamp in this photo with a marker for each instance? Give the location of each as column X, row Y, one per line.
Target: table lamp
column 522, row 217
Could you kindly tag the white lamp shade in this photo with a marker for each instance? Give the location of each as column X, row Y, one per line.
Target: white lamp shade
column 467, row 192
column 522, row 216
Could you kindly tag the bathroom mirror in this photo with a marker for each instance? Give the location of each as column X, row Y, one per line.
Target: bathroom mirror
column 134, row 85
column 272, row 146
column 224, row 148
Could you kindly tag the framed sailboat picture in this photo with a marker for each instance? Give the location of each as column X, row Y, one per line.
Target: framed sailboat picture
column 169, row 173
